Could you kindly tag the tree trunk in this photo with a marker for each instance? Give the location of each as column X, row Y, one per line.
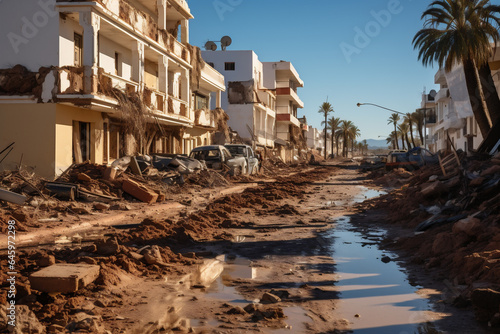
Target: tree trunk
column 490, row 93
column 326, row 124
column 476, row 97
column 333, row 135
column 408, row 142
column 411, row 133
column 396, row 136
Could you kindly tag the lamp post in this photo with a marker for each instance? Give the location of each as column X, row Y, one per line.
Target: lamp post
column 392, row 110
column 376, row 105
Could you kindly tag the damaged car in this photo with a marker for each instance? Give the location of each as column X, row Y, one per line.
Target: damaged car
column 241, row 150
column 217, row 156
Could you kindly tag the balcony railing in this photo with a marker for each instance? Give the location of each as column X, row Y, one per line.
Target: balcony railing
column 178, row 107
column 143, row 24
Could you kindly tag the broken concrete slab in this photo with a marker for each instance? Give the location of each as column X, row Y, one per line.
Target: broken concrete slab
column 139, row 191
column 269, row 298
column 64, row 277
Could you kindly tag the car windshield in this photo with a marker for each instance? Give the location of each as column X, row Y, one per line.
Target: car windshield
column 205, row 155
column 236, row 150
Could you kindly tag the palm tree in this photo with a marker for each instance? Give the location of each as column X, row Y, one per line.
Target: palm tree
column 353, row 134
column 418, row 118
column 338, row 137
column 325, row 109
column 364, row 147
column 403, row 129
column 460, row 31
column 333, row 125
column 409, row 119
column 345, row 128
column 394, row 119
column 390, row 140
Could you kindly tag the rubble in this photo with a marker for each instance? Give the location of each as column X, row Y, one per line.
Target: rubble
column 456, row 219
column 64, row 278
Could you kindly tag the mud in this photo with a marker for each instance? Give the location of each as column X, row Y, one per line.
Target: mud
column 150, row 273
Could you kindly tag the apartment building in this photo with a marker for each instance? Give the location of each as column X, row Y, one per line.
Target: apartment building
column 284, row 79
column 250, row 105
column 97, row 80
column 449, row 114
column 261, row 99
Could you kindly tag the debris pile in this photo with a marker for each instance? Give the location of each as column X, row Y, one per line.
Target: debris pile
column 456, row 220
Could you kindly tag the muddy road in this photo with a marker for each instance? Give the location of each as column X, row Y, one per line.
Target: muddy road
column 293, row 254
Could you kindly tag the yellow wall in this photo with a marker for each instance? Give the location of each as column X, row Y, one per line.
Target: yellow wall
column 65, row 115
column 43, row 136
column 31, row 127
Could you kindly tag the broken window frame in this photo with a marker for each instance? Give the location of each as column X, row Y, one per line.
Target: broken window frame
column 78, row 49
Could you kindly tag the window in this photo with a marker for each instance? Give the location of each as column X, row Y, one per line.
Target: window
column 118, row 65
column 78, row 49
column 229, row 66
column 201, row 102
column 211, row 64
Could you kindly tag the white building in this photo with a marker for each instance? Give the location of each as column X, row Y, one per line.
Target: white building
column 250, row 105
column 101, row 79
column 452, row 116
column 314, row 139
column 284, row 79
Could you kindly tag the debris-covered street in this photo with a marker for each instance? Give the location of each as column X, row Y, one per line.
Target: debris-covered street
column 306, row 249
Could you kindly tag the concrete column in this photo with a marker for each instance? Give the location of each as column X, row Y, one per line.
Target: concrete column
column 91, row 23
column 162, row 14
column 218, row 99
column 163, row 74
column 138, row 63
column 185, row 31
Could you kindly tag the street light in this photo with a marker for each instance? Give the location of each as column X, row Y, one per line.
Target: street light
column 376, row 105
column 398, row 112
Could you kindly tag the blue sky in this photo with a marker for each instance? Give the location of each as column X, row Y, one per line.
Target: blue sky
column 351, row 51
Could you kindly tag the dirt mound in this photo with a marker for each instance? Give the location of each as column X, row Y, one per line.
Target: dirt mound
column 457, row 219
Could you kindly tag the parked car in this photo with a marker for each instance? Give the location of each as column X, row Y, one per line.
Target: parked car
column 241, row 150
column 411, row 160
column 216, row 156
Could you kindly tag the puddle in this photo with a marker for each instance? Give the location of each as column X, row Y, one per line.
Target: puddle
column 363, row 195
column 376, row 297
column 221, row 289
column 367, row 193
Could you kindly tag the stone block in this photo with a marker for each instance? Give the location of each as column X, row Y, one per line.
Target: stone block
column 64, row 277
column 139, row 191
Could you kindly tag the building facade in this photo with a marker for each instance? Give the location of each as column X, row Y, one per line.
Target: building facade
column 250, row 105
column 97, row 80
column 261, row 100
column 449, row 114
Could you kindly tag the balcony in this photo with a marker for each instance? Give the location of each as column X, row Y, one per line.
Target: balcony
column 440, row 77
column 443, row 94
column 120, row 14
column 285, row 69
column 204, row 118
column 287, row 119
column 291, row 95
column 213, row 77
column 111, row 89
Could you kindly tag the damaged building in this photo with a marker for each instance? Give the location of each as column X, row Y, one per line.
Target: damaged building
column 261, row 100
column 98, row 80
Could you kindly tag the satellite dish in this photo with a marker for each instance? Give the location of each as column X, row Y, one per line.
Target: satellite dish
column 210, row 46
column 225, row 42
column 433, row 93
